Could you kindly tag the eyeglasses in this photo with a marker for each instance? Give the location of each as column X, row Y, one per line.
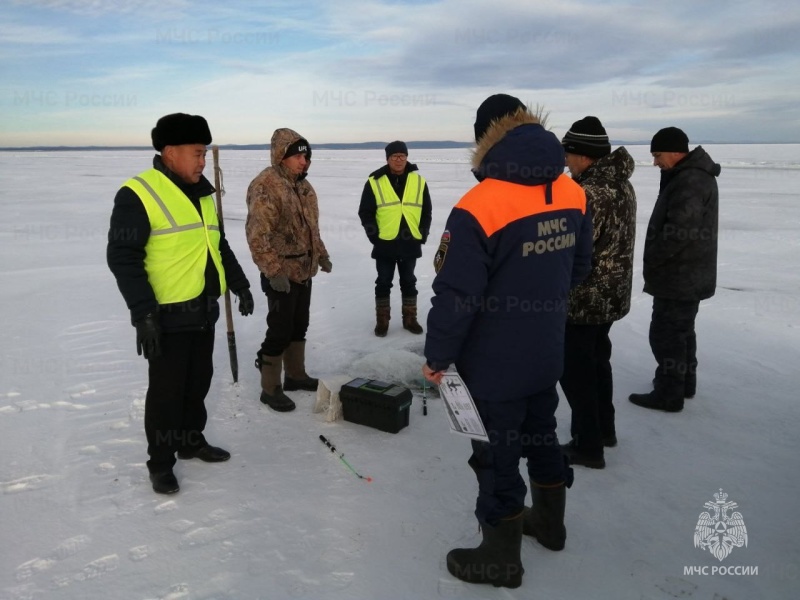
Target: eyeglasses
column 398, row 156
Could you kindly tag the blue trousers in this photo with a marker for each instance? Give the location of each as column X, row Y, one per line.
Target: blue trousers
column 524, row 428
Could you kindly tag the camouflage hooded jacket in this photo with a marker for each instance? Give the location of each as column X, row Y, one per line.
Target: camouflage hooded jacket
column 282, row 224
column 605, row 295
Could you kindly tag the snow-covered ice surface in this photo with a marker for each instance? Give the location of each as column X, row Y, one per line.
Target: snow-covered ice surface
column 284, row 518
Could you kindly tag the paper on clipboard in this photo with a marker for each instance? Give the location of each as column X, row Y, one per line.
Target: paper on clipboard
column 461, row 411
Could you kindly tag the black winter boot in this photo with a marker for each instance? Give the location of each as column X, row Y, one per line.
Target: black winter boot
column 295, row 376
column 577, row 456
column 410, row 322
column 657, row 401
column 545, row 519
column 496, row 560
column 689, row 385
column 164, row 482
column 271, row 391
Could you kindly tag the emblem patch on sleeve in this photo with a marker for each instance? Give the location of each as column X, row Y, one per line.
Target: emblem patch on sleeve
column 441, row 253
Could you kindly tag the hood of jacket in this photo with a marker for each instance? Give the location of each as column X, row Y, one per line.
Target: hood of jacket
column 516, row 148
column 696, row 159
column 616, row 166
column 281, row 140
column 699, row 159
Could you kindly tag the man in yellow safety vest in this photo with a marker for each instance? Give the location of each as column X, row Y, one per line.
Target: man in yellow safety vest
column 171, row 260
column 395, row 212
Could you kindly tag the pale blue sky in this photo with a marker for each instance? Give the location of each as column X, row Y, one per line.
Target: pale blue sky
column 94, row 72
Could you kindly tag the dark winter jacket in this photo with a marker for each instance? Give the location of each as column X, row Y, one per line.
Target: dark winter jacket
column 125, row 254
column 680, row 251
column 513, row 247
column 405, row 245
column 605, row 295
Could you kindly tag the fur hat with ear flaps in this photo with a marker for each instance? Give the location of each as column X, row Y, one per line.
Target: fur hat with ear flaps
column 178, row 129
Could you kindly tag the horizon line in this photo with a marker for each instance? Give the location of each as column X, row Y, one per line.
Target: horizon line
column 419, row 144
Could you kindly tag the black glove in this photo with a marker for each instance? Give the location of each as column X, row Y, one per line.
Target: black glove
column 148, row 336
column 246, row 303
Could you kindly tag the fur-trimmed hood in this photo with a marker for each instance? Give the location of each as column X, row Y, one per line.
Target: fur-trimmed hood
column 517, row 148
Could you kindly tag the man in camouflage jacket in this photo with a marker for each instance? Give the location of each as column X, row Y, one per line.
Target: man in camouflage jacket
column 283, row 234
column 605, row 295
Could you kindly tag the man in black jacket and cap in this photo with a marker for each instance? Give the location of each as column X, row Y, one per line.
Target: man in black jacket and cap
column 395, row 212
column 169, row 255
column 680, row 264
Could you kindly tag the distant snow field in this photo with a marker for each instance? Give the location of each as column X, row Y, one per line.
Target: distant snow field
column 284, row 518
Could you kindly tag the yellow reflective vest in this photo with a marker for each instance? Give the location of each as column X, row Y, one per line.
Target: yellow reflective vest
column 180, row 238
column 391, row 209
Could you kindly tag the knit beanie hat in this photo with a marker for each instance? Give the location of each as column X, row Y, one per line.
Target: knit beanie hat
column 494, row 108
column 670, row 139
column 587, row 137
column 179, row 128
column 396, row 147
column 301, row 146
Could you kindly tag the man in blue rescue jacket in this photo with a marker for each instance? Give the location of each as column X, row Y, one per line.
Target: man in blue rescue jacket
column 169, row 255
column 513, row 247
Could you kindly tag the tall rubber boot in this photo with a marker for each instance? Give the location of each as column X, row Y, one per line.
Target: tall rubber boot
column 382, row 316
column 410, row 315
column 545, row 519
column 496, row 560
column 294, row 363
column 271, row 391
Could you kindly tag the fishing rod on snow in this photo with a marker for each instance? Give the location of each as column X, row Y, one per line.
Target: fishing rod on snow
column 341, row 458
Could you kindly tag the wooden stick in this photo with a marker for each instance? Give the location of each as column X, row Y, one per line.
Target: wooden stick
column 228, row 312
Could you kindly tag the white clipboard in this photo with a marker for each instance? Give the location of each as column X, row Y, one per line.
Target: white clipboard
column 461, row 411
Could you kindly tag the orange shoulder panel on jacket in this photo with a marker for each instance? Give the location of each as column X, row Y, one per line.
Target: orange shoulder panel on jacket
column 495, row 203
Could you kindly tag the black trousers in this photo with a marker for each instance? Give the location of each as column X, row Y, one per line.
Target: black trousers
column 287, row 316
column 174, row 411
column 588, row 385
column 674, row 345
column 405, row 270
column 523, row 428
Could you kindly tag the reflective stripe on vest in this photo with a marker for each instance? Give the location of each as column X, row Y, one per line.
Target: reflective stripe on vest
column 180, row 239
column 391, row 209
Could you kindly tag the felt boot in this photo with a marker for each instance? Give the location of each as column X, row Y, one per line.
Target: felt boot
column 271, row 391
column 295, row 376
column 410, row 315
column 545, row 519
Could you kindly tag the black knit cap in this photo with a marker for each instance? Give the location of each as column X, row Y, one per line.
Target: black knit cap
column 670, row 139
column 301, row 146
column 179, row 128
column 587, row 137
column 494, row 108
column 396, row 147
